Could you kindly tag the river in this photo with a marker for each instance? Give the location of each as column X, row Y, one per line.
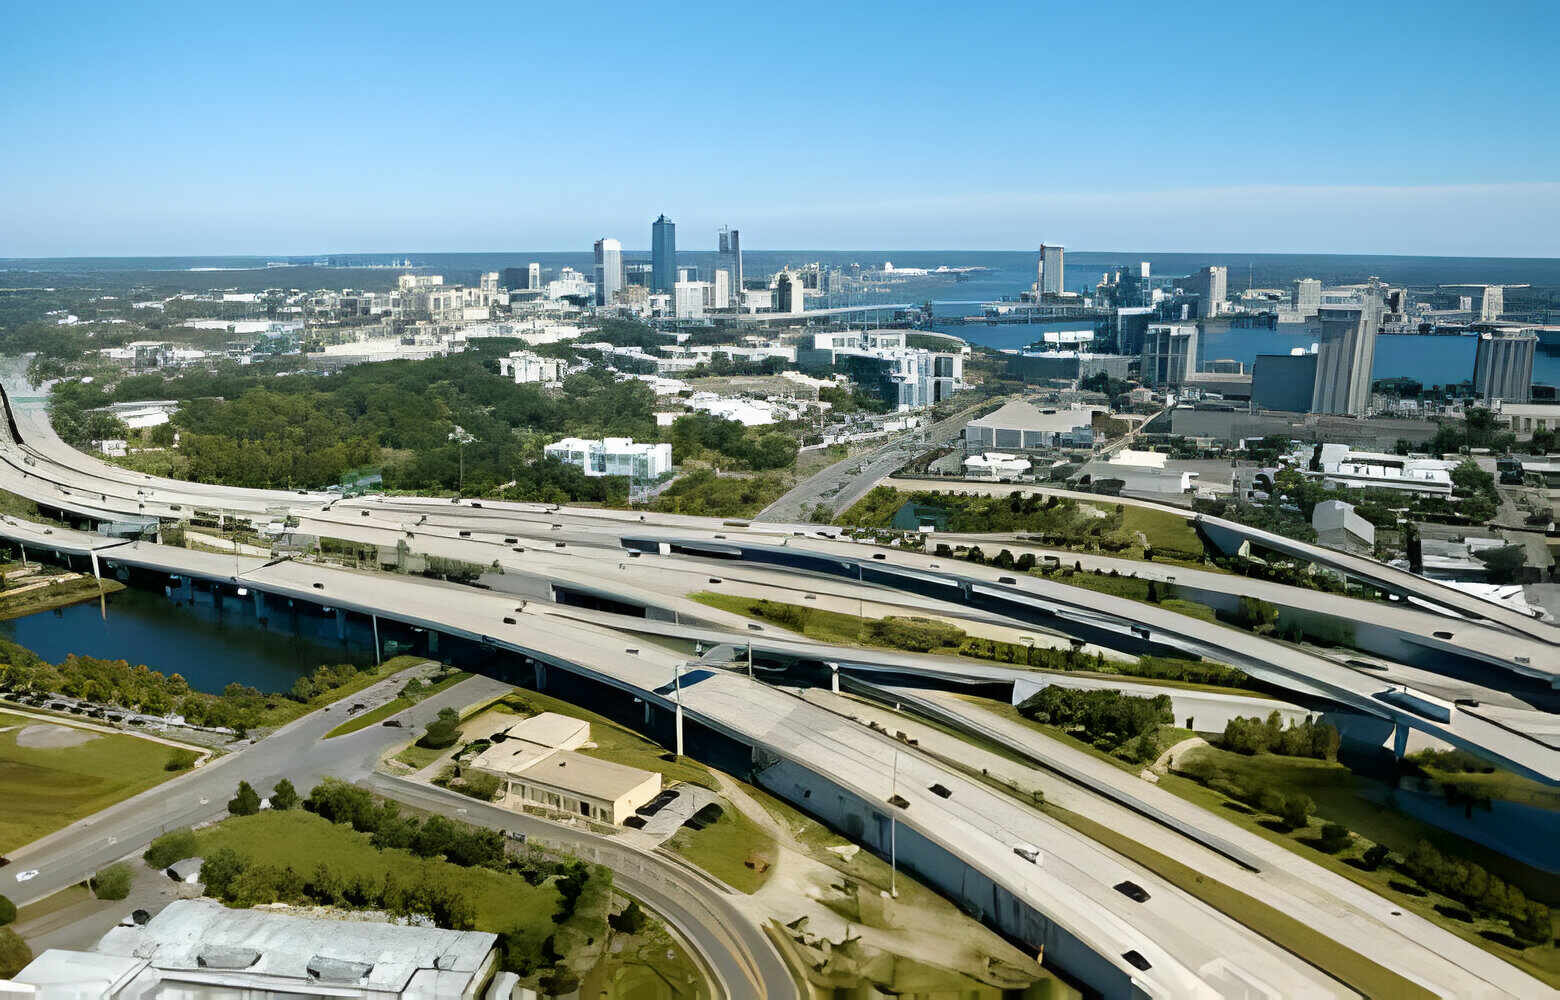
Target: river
column 210, row 647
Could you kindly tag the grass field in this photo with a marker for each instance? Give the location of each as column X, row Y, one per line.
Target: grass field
column 1357, row 802
column 43, row 789
column 1165, row 531
column 393, row 706
column 302, row 840
column 725, row 847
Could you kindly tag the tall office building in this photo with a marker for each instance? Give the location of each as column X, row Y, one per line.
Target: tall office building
column 789, row 295
column 720, row 289
column 1169, row 354
column 1306, row 298
column 1346, row 353
column 663, row 255
column 729, row 257
column 1211, row 285
column 609, row 270
column 1050, row 278
column 1492, row 302
column 1503, row 368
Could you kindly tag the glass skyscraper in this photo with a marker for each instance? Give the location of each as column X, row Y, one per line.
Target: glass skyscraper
column 663, row 255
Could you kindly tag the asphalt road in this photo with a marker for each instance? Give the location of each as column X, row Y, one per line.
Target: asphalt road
column 841, row 485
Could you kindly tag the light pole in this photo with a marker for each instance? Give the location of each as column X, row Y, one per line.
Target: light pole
column 677, row 686
column 461, row 438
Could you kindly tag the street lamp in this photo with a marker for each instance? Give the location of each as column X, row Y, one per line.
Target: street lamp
column 460, row 437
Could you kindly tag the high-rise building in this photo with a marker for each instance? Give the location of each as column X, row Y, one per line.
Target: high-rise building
column 663, row 254
column 1345, row 354
column 1211, row 286
column 789, row 294
column 1306, row 298
column 1169, row 354
column 1492, row 303
column 1503, row 368
column 720, row 289
column 1050, row 278
column 729, row 257
column 609, row 270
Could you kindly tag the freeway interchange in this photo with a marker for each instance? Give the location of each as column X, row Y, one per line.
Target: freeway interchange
column 583, row 591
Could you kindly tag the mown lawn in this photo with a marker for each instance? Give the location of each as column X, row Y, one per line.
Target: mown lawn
column 725, row 848
column 303, row 840
column 43, row 789
column 1165, row 531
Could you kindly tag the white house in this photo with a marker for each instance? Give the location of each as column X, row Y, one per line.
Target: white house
column 614, row 457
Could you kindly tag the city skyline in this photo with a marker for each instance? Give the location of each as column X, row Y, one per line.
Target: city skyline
column 241, row 133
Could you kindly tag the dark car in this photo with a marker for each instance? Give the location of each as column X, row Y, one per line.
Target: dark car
column 1133, row 891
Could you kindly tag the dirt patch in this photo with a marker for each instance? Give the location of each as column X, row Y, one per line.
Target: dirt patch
column 47, row 737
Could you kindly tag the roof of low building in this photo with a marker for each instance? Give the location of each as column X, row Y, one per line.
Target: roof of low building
column 1020, row 415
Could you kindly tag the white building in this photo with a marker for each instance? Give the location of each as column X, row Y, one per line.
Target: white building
column 614, row 457
column 1019, row 424
column 197, row 948
column 1339, row 527
column 527, row 368
column 1143, row 472
column 995, row 465
column 609, row 270
column 1342, row 466
column 690, row 299
column 538, row 765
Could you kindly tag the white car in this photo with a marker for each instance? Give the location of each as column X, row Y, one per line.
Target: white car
column 27, row 875
column 1029, row 852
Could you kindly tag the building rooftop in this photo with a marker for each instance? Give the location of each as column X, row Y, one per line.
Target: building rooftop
column 1020, row 415
column 202, row 940
column 583, row 775
column 550, row 729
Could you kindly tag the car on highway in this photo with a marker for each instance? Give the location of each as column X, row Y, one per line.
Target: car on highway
column 27, row 876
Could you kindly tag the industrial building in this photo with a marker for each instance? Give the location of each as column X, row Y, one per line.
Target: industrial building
column 996, row 465
column 1050, row 277
column 1503, row 366
column 1065, row 366
column 197, row 949
column 1143, row 473
column 614, row 457
column 1342, row 466
column 1022, row 425
column 1525, row 418
column 1169, row 354
column 538, row 763
column 1345, row 354
column 1211, row 286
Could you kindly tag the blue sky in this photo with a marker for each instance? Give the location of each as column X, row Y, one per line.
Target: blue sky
column 133, row 129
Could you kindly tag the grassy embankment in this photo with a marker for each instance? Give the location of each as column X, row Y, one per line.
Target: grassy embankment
column 406, row 699
column 46, row 788
column 22, row 597
column 845, row 629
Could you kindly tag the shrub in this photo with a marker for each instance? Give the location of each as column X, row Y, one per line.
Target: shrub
column 1374, row 855
column 179, row 760
column 443, row 731
column 1296, row 811
column 631, row 921
column 219, row 871
column 170, row 847
column 1334, row 838
column 7, row 911
column 284, row 795
column 479, row 786
column 246, row 802
column 112, row 882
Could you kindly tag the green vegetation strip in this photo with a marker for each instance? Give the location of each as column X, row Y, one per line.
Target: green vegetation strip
column 1342, row 963
column 395, row 706
column 54, row 595
column 46, row 787
column 734, row 849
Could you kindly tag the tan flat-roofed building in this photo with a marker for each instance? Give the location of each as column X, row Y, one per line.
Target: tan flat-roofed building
column 538, row 762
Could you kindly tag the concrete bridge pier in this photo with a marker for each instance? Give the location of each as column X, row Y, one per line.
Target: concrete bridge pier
column 341, row 623
column 541, row 675
column 259, row 604
column 834, row 675
column 1399, row 740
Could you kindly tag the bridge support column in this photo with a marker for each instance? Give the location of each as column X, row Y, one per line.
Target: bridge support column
column 834, row 676
column 647, row 712
column 341, row 623
column 1399, row 740
column 378, row 657
column 679, row 728
column 259, row 603
column 433, row 643
column 186, row 590
column 541, row 675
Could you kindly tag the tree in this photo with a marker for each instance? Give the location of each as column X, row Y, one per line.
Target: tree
column 1334, row 838
column 631, row 921
column 7, row 911
column 442, row 732
column 246, row 802
column 112, row 882
column 1374, row 855
column 14, row 953
column 284, row 795
column 1504, row 562
column 1296, row 810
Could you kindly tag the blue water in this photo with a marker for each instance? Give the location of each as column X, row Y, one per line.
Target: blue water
column 209, row 647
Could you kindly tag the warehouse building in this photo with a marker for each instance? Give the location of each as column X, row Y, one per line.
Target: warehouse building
column 197, row 949
column 1021, row 425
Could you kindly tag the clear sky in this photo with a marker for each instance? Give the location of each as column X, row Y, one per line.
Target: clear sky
column 1398, row 127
